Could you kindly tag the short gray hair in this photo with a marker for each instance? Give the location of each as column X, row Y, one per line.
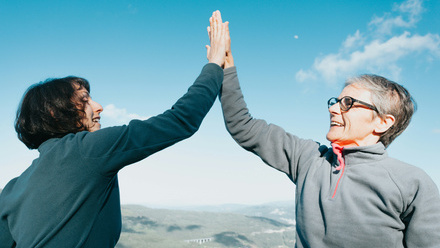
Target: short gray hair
column 389, row 98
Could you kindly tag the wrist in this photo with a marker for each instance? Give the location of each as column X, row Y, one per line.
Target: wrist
column 217, row 62
column 229, row 61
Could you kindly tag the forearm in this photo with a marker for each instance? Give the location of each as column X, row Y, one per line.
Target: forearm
column 186, row 115
column 116, row 147
column 239, row 122
column 270, row 142
column 190, row 109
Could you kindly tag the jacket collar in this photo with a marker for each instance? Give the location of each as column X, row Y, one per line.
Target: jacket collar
column 364, row 154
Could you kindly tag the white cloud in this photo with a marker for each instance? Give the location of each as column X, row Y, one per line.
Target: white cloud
column 360, row 52
column 353, row 40
column 303, row 75
column 119, row 116
column 376, row 55
column 436, row 131
column 405, row 15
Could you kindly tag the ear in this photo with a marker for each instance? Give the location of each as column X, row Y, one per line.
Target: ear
column 383, row 124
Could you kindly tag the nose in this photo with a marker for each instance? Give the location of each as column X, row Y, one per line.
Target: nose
column 335, row 109
column 97, row 108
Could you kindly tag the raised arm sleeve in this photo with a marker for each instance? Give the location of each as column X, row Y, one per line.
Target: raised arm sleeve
column 271, row 143
column 110, row 149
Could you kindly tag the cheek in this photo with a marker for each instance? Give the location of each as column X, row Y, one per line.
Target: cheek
column 360, row 124
column 87, row 109
column 347, row 122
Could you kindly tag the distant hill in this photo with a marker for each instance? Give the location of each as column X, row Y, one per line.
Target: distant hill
column 241, row 226
column 281, row 211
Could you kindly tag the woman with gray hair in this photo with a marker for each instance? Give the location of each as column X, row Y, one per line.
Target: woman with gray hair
column 351, row 194
column 390, row 98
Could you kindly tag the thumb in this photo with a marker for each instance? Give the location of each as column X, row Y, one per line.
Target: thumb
column 208, row 49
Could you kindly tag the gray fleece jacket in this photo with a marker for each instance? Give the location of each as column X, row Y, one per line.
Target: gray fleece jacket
column 375, row 201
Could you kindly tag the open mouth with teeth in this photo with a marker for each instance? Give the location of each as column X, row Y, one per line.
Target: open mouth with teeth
column 96, row 119
column 337, row 124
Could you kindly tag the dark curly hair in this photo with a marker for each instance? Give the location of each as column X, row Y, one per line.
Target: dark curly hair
column 50, row 109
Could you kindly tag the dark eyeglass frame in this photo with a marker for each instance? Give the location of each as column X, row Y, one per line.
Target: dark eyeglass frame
column 345, row 107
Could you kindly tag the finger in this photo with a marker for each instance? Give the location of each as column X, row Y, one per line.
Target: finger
column 208, row 49
column 219, row 16
column 213, row 29
column 218, row 26
column 213, row 26
column 228, row 38
column 211, row 23
column 224, row 34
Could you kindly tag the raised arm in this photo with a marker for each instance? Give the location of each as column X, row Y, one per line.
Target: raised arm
column 271, row 143
column 120, row 146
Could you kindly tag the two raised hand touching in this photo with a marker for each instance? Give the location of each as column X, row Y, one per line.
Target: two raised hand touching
column 218, row 33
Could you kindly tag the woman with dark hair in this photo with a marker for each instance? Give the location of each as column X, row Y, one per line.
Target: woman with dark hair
column 63, row 111
column 69, row 195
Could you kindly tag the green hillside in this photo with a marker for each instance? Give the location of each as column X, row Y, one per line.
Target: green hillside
column 162, row 228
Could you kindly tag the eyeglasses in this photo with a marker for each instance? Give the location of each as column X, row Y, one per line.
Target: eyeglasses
column 346, row 103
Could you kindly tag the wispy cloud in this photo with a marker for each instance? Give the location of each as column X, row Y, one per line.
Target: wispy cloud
column 118, row 116
column 376, row 50
column 437, row 131
column 405, row 15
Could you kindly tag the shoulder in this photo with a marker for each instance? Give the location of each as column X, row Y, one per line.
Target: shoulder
column 404, row 172
column 309, row 146
column 5, row 192
column 411, row 180
column 309, row 152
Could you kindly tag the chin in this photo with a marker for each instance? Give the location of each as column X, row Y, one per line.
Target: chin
column 334, row 136
column 94, row 128
column 330, row 138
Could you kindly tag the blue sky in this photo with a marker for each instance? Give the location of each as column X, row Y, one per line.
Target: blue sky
column 292, row 56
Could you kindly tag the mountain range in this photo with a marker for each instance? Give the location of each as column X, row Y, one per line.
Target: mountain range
column 268, row 225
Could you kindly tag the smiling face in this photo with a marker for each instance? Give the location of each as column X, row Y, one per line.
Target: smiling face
column 359, row 125
column 92, row 110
